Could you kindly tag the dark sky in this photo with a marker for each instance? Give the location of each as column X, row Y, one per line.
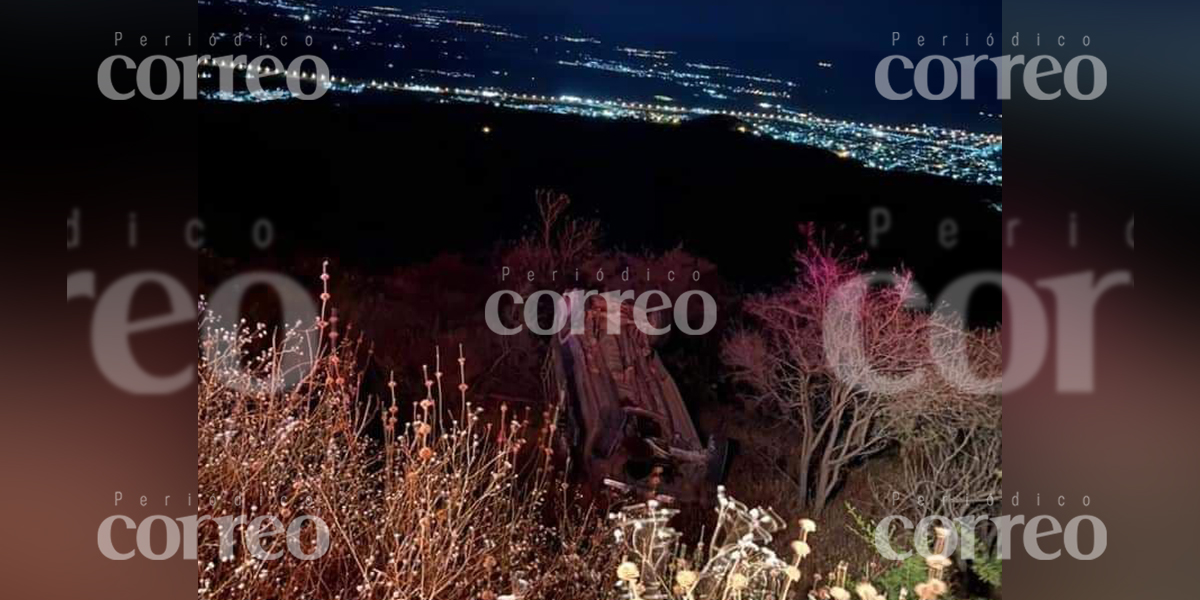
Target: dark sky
column 783, row 38
column 862, row 24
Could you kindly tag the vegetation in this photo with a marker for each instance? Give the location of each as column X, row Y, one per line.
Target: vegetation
column 445, row 505
column 851, row 370
column 433, row 495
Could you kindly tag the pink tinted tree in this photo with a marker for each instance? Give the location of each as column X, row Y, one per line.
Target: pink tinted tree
column 848, row 362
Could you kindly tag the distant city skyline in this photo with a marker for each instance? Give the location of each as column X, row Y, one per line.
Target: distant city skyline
column 475, row 58
column 863, row 25
column 781, row 38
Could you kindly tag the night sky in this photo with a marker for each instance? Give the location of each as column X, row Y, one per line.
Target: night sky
column 864, row 25
column 780, row 37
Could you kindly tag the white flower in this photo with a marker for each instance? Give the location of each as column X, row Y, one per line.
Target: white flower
column 687, row 580
column 739, row 582
column 937, row 561
column 628, row 572
column 867, row 592
column 938, row 587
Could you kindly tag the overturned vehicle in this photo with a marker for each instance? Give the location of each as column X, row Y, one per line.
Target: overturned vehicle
column 623, row 421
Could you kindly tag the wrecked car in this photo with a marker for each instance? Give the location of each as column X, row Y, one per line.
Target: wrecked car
column 623, row 420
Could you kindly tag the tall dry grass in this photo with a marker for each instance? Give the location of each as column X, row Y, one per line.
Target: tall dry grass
column 429, row 498
column 423, row 497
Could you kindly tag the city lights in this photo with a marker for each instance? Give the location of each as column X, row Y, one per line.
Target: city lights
column 668, row 89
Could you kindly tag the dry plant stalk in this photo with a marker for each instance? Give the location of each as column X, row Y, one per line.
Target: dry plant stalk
column 444, row 506
column 736, row 563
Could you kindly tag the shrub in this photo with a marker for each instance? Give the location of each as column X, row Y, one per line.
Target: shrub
column 851, row 369
column 737, row 562
column 423, row 499
column 926, row 576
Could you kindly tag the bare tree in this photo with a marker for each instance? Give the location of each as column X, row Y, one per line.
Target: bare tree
column 558, row 242
column 947, row 474
column 846, row 365
column 951, row 457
